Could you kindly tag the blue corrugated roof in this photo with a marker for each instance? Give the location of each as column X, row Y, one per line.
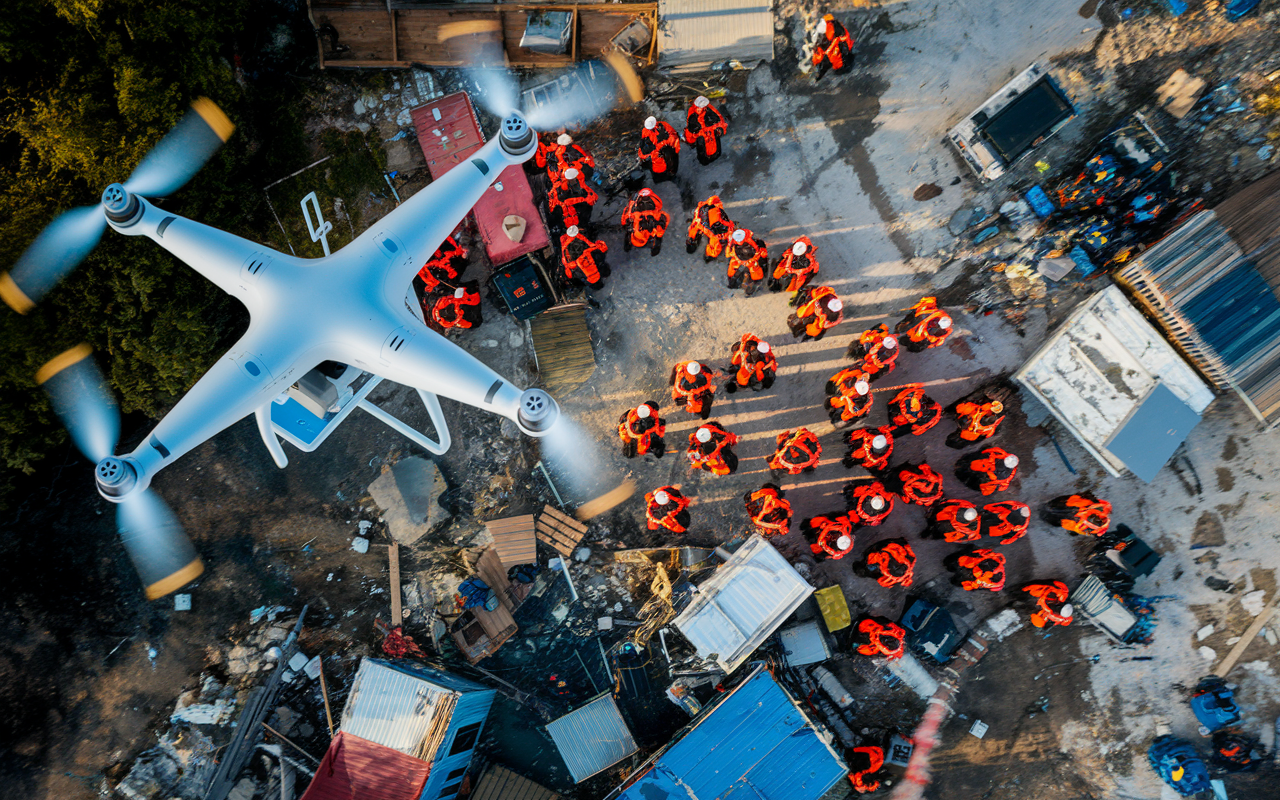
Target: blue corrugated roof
column 754, row 743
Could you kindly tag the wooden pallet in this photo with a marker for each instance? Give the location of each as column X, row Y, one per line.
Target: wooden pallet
column 513, row 540
column 559, row 530
column 562, row 347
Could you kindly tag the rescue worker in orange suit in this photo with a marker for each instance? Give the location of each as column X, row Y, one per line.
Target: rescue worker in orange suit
column 1007, row 520
column 988, row 472
column 565, row 155
column 848, row 396
column 756, row 363
column 877, row 349
column 978, row 421
column 659, row 150
column 748, row 259
column 1234, row 752
column 1051, row 603
column 665, row 507
column 769, row 511
column 869, row 448
column 865, row 762
column 877, row 636
column 641, row 431
column 833, row 49
column 446, row 265
column 795, row 269
column 955, row 521
column 891, row 562
column 913, row 410
column 869, row 503
column 711, row 449
column 798, row 451
column 709, row 220
column 461, row 309
column 703, row 127
column 693, row 384
column 646, row 221
column 829, row 537
column 541, row 156
column 819, row 311
column 978, row 569
column 918, row 485
column 926, row 326
column 570, row 200
column 1080, row 513
column 583, row 258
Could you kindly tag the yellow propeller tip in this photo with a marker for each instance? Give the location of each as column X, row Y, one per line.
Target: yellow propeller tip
column 60, row 362
column 176, row 581
column 14, row 297
column 218, row 122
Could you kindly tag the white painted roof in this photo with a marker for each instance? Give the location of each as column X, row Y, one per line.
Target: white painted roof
column 710, row 31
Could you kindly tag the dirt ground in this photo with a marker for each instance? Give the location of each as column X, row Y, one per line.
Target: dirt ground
column 838, row 161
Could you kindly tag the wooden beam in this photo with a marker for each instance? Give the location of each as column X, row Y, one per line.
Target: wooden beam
column 1229, row 662
column 393, row 555
column 395, row 43
column 324, row 692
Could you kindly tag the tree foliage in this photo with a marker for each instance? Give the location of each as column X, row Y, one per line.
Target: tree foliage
column 86, row 88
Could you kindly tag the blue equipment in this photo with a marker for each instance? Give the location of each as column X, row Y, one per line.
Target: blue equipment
column 1178, row 765
column 1214, row 704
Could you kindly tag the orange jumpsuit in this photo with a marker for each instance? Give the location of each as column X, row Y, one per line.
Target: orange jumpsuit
column 861, row 499
column 754, row 367
column 797, row 451
column 715, row 456
column 795, row 270
column 671, row 515
column 645, row 220
column 709, row 220
column 769, row 511
column 820, row 312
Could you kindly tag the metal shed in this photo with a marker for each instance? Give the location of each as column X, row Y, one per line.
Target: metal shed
column 755, row 741
column 1111, row 379
column 742, row 604
column 355, row 767
column 694, row 34
column 592, row 738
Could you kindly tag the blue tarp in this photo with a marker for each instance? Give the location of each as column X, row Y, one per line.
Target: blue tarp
column 1238, row 315
column 755, row 744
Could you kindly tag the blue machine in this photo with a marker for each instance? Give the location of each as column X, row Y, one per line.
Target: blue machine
column 1178, row 765
column 1214, row 704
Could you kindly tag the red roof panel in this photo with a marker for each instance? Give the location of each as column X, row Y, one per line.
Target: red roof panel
column 357, row 769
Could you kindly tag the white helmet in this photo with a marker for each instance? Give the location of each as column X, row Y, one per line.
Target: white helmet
column 459, row 292
column 573, row 230
column 835, row 304
column 693, row 368
column 1024, row 512
column 1066, row 610
column 799, row 249
column 879, row 441
column 844, row 542
column 822, row 26
column 701, row 102
column 739, row 236
column 861, row 387
column 1011, row 461
column 564, row 140
column 889, row 342
column 650, row 123
column 661, row 497
column 703, row 435
column 763, row 347
column 944, row 323
column 969, row 514
column 877, row 502
column 643, row 411
column 571, row 173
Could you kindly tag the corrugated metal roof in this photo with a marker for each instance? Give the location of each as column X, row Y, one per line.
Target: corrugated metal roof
column 1099, row 366
column 742, row 604
column 755, row 742
column 592, row 738
column 406, row 708
column 500, row 783
column 697, row 32
column 357, row 768
column 804, row 644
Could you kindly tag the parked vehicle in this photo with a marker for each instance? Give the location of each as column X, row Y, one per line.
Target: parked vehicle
column 931, row 631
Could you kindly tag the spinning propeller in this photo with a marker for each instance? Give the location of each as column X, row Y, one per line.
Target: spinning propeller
column 160, row 550
column 72, row 235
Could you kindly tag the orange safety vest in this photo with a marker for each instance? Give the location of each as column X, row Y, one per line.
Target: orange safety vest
column 830, row 529
column 835, row 37
column 877, row 359
column 861, row 496
column 1013, row 520
column 751, row 255
column 769, row 512
column 570, row 197
column 664, row 516
column 888, row 555
column 977, row 422
column 851, row 404
column 861, row 783
column 960, row 530
column 706, row 124
column 913, row 407
column 1092, row 517
column 986, row 568
column 577, row 253
column 750, row 361
column 921, row 486
column 710, row 456
column 886, row 638
column 642, row 431
column 816, row 316
column 862, row 452
column 710, row 220
column 654, row 142
column 560, row 158
column 692, row 390
column 645, row 216
column 991, row 466
column 797, row 269
column 1046, row 595
column 797, row 451
column 450, row 311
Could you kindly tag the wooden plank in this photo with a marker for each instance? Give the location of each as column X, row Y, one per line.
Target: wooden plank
column 1229, row 662
column 550, row 535
column 559, row 515
column 571, row 537
column 393, row 555
column 395, row 46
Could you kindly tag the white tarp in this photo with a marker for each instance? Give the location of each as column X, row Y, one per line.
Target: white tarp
column 703, row 32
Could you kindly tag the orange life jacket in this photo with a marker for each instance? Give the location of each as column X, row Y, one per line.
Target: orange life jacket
column 706, row 124
column 578, row 254
column 913, row 407
column 833, row 45
column 851, row 404
column 657, row 145
column 798, row 270
column 751, row 363
column 710, row 456
column 921, row 486
column 797, row 451
column 664, row 516
column 815, row 314
column 1092, row 517
column 561, row 157
column 710, row 220
column 571, row 198
column 692, row 390
column 878, row 359
column 769, row 512
column 864, row 454
column 440, row 266
column 642, row 430
column 450, row 311
column 895, row 562
column 977, row 422
column 861, row 781
column 991, row 467
column 886, row 638
column 751, row 255
column 645, row 217
column 830, row 529
column 1050, row 598
column 986, row 569
column 1011, row 519
column 860, row 497
column 954, row 527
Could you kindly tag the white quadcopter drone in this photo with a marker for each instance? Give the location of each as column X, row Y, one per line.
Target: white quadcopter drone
column 349, row 307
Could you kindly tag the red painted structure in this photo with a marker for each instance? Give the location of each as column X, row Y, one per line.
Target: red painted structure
column 357, row 769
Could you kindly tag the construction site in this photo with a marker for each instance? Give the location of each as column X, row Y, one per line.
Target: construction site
column 896, row 418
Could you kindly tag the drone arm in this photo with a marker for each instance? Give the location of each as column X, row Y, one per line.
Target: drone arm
column 433, row 411
column 263, row 417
